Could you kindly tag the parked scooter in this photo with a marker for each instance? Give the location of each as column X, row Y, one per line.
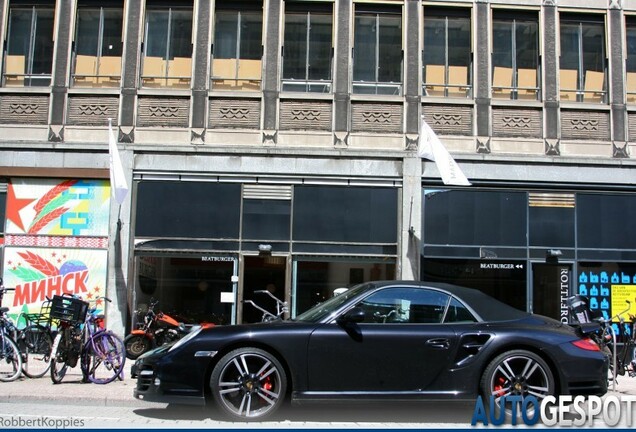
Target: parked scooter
column 156, row 329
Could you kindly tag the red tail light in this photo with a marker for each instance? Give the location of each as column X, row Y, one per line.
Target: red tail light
column 586, row 344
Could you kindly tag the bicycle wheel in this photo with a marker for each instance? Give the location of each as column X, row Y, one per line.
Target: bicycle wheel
column 58, row 358
column 10, row 359
column 104, row 358
column 35, row 344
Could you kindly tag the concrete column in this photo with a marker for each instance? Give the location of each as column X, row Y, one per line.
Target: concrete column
column 271, row 60
column 342, row 58
column 412, row 67
column 132, row 49
column 550, row 62
column 411, row 223
column 61, row 51
column 201, row 58
column 481, row 64
column 616, row 37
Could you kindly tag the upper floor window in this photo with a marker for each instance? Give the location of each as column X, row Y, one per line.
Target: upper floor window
column 308, row 48
column 630, row 79
column 238, row 46
column 515, row 56
column 447, row 58
column 167, row 56
column 583, row 62
column 98, row 46
column 29, row 46
column 377, row 50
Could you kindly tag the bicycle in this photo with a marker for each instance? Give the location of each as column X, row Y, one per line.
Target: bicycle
column 281, row 307
column 35, row 341
column 10, row 356
column 607, row 338
column 81, row 338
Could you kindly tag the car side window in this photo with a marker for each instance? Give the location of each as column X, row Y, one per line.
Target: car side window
column 457, row 313
column 405, row 305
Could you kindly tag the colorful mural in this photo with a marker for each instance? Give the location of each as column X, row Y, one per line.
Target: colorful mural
column 56, row 240
column 58, row 207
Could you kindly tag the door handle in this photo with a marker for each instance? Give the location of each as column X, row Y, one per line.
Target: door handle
column 440, row 343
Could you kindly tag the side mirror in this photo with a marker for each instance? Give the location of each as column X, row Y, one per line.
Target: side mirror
column 354, row 315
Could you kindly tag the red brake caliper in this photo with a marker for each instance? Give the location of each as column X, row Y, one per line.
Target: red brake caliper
column 499, row 387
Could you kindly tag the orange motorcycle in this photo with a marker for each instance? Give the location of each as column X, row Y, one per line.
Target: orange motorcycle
column 156, row 329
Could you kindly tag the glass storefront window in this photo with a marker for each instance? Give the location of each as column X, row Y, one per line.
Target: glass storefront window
column 316, row 279
column 503, row 280
column 191, row 289
column 609, row 287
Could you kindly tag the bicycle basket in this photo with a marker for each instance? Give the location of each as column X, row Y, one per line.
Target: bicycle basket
column 68, row 309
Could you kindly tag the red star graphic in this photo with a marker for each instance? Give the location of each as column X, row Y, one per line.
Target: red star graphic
column 89, row 296
column 14, row 205
column 98, row 302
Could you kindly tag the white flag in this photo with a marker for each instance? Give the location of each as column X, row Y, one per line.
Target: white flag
column 430, row 147
column 118, row 185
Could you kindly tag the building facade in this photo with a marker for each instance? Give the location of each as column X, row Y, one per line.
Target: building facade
column 273, row 144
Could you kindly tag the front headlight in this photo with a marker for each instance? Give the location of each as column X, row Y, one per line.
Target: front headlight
column 195, row 331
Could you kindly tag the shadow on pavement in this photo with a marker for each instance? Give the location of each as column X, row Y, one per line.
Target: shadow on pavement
column 357, row 412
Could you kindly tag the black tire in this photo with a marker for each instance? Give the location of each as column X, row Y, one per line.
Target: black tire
column 10, row 360
column 58, row 358
column 248, row 384
column 136, row 345
column 518, row 373
column 35, row 344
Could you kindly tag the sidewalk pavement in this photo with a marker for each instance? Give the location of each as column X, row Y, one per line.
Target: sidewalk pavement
column 120, row 392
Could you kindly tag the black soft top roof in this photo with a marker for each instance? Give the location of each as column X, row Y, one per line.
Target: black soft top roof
column 487, row 307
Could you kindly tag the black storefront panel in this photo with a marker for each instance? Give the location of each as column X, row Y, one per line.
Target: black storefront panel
column 188, row 209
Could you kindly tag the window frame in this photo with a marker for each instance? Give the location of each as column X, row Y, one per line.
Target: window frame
column 308, row 84
column 98, row 79
column 243, row 71
column 456, row 79
column 25, row 77
column 169, row 61
column 630, row 59
column 585, row 80
column 376, row 87
column 517, row 79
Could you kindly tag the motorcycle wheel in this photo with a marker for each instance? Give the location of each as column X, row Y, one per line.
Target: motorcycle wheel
column 136, row 345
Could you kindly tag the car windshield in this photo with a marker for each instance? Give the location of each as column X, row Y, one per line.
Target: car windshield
column 326, row 308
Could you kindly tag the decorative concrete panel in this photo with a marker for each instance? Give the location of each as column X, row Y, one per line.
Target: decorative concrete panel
column 376, row 117
column 449, row 119
column 305, row 115
column 235, row 113
column 92, row 110
column 159, row 111
column 585, row 125
column 631, row 127
column 24, row 109
column 509, row 122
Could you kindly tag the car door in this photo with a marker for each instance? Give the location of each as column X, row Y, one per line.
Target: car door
column 400, row 346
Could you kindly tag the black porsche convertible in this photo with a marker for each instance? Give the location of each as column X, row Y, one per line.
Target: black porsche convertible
column 394, row 340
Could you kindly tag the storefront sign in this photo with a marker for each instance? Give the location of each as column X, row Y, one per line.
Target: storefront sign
column 564, row 286
column 40, row 273
column 621, row 294
column 216, row 258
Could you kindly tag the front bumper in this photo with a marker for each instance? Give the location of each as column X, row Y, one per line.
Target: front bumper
column 151, row 388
